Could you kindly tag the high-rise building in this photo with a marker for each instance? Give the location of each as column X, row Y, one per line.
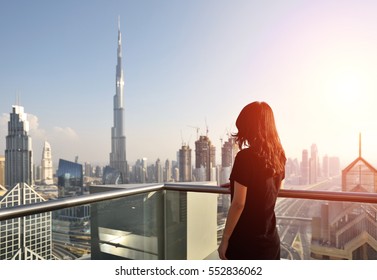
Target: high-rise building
column 167, row 171
column 70, row 178
column 184, row 164
column 348, row 230
column 2, row 171
column 27, row 237
column 18, row 151
column 46, row 165
column 304, row 180
column 205, row 156
column 118, row 139
column 228, row 152
column 158, row 171
column 88, row 169
column 313, row 164
column 71, row 183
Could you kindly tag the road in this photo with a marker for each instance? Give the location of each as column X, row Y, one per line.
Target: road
column 294, row 220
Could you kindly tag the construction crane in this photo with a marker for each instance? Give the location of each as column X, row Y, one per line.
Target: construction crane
column 197, row 130
column 206, row 127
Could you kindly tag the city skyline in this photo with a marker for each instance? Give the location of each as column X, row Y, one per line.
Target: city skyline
column 187, row 65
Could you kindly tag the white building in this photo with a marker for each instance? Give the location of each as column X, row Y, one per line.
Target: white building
column 46, row 165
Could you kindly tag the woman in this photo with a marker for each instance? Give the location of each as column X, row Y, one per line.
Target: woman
column 259, row 168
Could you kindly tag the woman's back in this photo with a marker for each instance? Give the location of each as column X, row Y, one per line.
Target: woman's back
column 257, row 224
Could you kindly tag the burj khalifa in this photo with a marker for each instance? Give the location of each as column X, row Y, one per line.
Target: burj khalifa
column 118, row 139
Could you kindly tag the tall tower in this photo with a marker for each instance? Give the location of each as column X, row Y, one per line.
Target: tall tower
column 18, row 151
column 304, row 180
column 228, row 152
column 205, row 156
column 184, row 160
column 2, row 171
column 313, row 164
column 118, row 139
column 47, row 172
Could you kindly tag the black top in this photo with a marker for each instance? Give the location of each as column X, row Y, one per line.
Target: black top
column 255, row 235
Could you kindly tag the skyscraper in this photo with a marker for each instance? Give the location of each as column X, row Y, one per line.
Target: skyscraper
column 46, row 165
column 118, row 139
column 205, row 156
column 2, row 171
column 184, row 164
column 18, row 151
column 167, row 171
column 70, row 179
column 304, row 180
column 228, row 153
column 313, row 164
column 28, row 237
column 346, row 230
column 71, row 183
column 158, row 171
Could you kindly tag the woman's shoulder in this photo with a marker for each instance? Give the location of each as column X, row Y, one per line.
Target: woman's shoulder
column 247, row 154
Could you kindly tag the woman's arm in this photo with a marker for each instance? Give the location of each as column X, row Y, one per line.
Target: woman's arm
column 235, row 210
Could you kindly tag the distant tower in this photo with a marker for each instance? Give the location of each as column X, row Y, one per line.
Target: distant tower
column 205, row 155
column 359, row 175
column 118, row 139
column 228, row 152
column 18, row 151
column 47, row 171
column 2, row 171
column 313, row 164
column 184, row 161
column 70, row 179
column 167, row 171
column 158, row 171
column 304, row 168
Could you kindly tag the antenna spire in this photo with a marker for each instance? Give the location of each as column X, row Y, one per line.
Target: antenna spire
column 360, row 144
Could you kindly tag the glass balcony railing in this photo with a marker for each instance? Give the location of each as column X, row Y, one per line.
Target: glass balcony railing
column 182, row 221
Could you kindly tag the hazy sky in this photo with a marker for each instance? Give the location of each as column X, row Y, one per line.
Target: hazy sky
column 190, row 64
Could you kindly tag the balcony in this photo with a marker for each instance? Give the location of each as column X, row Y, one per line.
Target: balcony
column 185, row 222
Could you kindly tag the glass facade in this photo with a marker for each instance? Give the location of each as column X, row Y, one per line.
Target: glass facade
column 112, row 176
column 70, row 178
column 73, row 219
column 28, row 237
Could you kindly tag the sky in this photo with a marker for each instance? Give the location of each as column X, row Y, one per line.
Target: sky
column 187, row 65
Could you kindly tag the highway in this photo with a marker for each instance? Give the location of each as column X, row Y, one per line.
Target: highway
column 294, row 220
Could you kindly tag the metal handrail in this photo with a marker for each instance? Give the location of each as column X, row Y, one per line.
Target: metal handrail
column 330, row 195
column 52, row 205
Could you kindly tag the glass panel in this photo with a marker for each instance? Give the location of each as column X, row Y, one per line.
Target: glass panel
column 191, row 225
column 128, row 228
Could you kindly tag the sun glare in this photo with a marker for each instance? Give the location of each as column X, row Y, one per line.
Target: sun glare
column 347, row 88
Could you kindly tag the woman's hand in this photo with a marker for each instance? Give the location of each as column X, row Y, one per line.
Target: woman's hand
column 222, row 249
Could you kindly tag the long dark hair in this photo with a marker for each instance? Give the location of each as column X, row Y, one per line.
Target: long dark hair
column 257, row 130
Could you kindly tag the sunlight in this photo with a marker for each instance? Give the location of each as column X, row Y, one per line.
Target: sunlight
column 347, row 88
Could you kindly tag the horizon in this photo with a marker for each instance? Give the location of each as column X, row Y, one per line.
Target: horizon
column 190, row 65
